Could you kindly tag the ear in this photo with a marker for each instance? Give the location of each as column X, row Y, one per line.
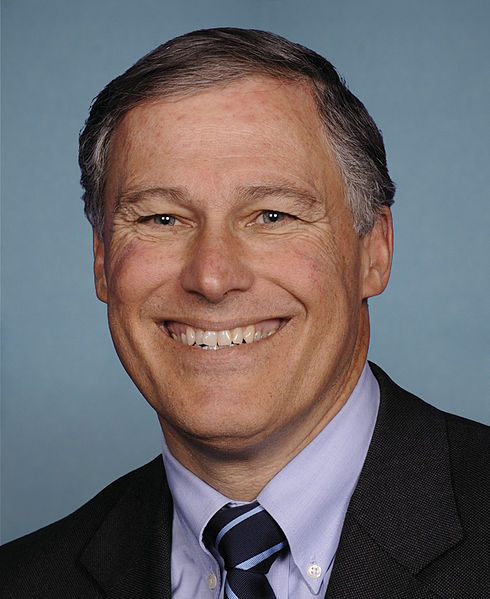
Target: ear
column 99, row 271
column 377, row 248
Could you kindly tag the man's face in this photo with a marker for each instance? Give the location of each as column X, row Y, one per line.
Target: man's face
column 225, row 215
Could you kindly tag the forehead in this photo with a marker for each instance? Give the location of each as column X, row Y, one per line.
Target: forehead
column 254, row 127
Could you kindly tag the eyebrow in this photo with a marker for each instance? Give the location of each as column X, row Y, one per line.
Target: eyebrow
column 172, row 193
column 246, row 194
column 300, row 197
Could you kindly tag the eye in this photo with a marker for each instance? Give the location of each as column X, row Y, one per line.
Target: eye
column 272, row 216
column 163, row 219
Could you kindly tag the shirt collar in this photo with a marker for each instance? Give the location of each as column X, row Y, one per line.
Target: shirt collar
column 308, row 497
column 194, row 499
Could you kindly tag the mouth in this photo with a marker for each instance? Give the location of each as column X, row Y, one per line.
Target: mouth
column 222, row 338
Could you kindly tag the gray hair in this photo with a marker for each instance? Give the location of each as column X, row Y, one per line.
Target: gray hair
column 208, row 58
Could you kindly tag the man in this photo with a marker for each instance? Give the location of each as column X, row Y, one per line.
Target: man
column 240, row 202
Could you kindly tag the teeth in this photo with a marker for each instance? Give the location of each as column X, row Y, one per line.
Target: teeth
column 224, row 338
column 210, row 338
column 237, row 335
column 221, row 339
column 191, row 335
column 199, row 337
column 249, row 333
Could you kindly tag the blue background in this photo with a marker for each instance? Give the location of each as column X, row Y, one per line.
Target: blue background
column 71, row 419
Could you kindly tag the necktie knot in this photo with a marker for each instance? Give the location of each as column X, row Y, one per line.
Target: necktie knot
column 249, row 540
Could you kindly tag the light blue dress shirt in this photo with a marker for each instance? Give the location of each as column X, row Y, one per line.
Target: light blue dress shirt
column 308, row 498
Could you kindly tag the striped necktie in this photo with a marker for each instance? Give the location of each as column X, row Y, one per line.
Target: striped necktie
column 249, row 540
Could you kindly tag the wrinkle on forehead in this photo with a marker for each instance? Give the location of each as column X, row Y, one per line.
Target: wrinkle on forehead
column 257, row 119
column 245, row 101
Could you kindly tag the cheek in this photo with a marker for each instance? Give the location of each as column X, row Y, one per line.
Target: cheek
column 326, row 282
column 135, row 270
column 312, row 265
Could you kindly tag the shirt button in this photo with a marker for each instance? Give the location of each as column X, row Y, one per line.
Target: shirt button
column 314, row 571
column 212, row 581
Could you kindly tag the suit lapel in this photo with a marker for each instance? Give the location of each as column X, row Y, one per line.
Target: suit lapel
column 129, row 555
column 402, row 515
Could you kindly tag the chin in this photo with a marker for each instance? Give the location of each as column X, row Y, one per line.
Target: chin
column 220, row 420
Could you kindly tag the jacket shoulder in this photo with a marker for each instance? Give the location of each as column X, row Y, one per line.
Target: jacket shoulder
column 417, row 524
column 460, row 430
column 468, row 441
column 50, row 555
column 434, row 450
column 469, row 444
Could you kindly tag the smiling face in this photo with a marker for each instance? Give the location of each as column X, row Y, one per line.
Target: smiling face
column 234, row 279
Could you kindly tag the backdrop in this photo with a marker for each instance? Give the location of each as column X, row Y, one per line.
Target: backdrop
column 72, row 421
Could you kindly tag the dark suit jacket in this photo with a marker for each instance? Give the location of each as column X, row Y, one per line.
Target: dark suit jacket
column 416, row 527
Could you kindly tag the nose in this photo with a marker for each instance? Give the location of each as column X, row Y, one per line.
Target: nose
column 215, row 266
